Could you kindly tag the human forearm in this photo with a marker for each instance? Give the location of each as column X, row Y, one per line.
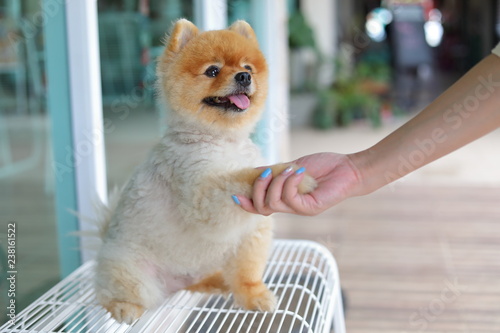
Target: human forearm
column 466, row 111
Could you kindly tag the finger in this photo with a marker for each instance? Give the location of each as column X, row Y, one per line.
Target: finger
column 303, row 204
column 245, row 203
column 290, row 195
column 260, row 188
column 274, row 192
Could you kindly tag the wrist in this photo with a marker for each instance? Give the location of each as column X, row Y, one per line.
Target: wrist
column 368, row 179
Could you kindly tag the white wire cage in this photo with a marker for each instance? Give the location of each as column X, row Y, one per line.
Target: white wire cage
column 302, row 274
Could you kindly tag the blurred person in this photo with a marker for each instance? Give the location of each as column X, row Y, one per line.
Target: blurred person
column 466, row 111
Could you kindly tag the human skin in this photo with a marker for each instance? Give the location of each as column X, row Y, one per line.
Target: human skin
column 466, row 111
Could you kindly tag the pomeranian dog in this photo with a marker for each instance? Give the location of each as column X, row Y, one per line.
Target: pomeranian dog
column 174, row 225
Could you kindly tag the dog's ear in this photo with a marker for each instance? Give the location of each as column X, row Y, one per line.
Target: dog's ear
column 182, row 32
column 243, row 28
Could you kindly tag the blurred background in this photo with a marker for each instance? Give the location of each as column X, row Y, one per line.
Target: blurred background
column 353, row 72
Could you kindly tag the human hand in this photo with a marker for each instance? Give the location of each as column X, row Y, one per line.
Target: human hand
column 337, row 179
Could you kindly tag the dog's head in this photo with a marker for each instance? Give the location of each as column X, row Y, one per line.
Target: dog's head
column 214, row 80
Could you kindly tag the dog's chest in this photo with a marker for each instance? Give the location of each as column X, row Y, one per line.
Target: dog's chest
column 212, row 155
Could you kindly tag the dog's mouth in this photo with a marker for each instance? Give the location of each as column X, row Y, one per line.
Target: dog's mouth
column 237, row 102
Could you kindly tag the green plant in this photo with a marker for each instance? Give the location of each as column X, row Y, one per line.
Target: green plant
column 350, row 103
column 324, row 114
column 347, row 100
column 300, row 33
column 377, row 71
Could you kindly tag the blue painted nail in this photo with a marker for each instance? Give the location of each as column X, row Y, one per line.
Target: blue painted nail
column 266, row 173
column 299, row 171
column 236, row 200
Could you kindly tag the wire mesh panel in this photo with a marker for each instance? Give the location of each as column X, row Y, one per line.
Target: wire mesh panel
column 302, row 274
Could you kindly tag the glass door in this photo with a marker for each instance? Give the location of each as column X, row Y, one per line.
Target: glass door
column 29, row 257
column 131, row 37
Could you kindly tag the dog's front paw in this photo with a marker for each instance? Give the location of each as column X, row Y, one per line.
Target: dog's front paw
column 124, row 312
column 261, row 301
column 308, row 184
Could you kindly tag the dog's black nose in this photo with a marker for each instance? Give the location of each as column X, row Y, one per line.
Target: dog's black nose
column 243, row 78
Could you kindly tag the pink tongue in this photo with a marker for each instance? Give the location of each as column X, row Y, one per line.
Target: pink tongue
column 241, row 101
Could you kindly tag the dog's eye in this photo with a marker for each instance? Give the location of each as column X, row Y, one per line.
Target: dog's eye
column 248, row 68
column 212, row 71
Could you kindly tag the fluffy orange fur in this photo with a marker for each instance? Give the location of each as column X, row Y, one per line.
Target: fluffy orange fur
column 231, row 50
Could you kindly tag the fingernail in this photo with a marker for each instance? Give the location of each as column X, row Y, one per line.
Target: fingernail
column 236, row 200
column 266, row 173
column 287, row 170
column 299, row 171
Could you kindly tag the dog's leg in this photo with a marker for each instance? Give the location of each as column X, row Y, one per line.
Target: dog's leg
column 244, row 272
column 248, row 177
column 126, row 290
column 214, row 283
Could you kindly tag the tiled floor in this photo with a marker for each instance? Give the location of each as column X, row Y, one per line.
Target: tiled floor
column 421, row 255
